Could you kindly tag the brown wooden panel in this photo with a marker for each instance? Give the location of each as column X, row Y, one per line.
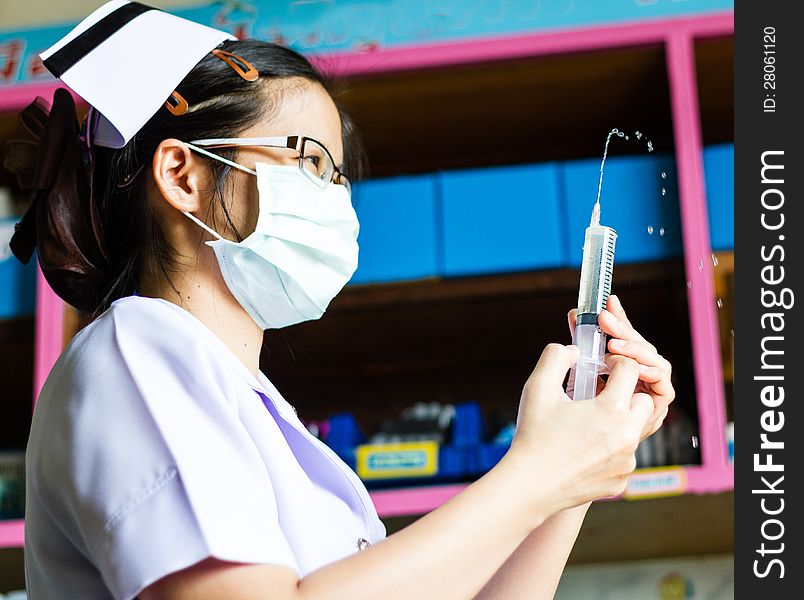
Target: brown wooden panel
column 715, row 63
column 16, row 381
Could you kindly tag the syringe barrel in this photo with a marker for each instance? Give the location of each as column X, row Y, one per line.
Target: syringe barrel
column 596, row 269
column 596, row 273
column 591, row 341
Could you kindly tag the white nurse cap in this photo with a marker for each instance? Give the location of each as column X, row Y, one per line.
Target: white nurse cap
column 125, row 60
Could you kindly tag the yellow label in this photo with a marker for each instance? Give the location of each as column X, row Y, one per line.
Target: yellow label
column 399, row 459
column 656, row 482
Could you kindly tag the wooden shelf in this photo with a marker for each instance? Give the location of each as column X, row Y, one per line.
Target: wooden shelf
column 359, row 297
column 714, row 59
column 724, row 289
column 552, row 107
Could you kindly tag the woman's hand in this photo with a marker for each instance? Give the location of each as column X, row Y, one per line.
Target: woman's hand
column 568, row 453
column 654, row 369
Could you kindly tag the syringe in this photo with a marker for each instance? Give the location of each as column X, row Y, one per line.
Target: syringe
column 596, row 272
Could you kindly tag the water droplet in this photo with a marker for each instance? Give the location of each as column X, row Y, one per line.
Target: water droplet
column 714, row 260
column 689, row 284
column 731, row 331
column 661, row 231
column 700, row 265
column 695, row 441
column 638, row 135
column 650, row 146
column 720, row 302
column 664, row 192
column 664, row 175
column 650, row 229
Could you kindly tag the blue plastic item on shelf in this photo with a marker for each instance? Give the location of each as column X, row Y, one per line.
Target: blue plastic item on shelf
column 467, row 424
column 398, row 238
column 17, row 281
column 501, row 219
column 465, row 456
column 718, row 162
column 344, row 436
column 647, row 222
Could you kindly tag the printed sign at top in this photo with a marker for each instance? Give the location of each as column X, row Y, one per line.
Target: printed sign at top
column 329, row 26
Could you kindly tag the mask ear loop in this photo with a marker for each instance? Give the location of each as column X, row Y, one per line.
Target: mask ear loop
column 203, row 225
column 226, row 161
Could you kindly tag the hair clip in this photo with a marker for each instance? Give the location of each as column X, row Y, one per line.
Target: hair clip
column 179, row 105
column 249, row 73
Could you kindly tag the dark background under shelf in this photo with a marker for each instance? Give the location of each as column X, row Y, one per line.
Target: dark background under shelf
column 16, row 381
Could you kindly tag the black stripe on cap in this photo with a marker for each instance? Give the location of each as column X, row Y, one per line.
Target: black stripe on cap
column 63, row 60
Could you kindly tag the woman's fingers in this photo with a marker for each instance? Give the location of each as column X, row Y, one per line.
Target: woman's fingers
column 614, row 322
column 617, row 328
column 642, row 352
column 572, row 318
column 615, row 307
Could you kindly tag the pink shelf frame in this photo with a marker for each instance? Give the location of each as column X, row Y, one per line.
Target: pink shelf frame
column 677, row 35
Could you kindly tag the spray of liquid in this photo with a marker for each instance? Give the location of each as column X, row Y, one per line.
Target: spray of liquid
column 639, row 136
column 596, row 210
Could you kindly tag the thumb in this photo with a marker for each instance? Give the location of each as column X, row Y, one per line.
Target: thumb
column 553, row 365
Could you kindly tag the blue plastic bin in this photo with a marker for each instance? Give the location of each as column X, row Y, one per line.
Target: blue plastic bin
column 398, row 238
column 501, row 219
column 648, row 224
column 17, row 281
column 719, row 175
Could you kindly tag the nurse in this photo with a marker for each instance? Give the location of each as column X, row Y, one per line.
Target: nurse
column 205, row 199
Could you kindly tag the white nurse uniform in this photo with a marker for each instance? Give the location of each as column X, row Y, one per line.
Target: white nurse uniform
column 153, row 447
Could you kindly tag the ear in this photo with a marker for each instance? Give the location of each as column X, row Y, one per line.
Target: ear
column 179, row 175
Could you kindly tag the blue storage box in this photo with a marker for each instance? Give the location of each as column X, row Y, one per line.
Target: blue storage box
column 17, row 281
column 397, row 237
column 718, row 162
column 648, row 224
column 501, row 219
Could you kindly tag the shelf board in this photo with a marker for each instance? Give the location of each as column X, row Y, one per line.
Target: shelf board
column 415, row 501
column 437, row 289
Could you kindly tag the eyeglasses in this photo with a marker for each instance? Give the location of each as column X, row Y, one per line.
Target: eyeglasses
column 315, row 161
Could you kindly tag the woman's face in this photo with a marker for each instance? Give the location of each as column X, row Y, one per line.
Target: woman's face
column 300, row 107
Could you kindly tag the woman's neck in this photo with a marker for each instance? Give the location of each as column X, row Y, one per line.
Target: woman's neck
column 204, row 294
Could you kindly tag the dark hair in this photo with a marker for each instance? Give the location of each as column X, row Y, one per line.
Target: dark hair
column 221, row 104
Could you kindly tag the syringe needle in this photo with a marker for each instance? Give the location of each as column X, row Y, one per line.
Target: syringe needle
column 595, row 215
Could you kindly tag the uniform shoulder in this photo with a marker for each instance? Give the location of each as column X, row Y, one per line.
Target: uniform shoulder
column 147, row 320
